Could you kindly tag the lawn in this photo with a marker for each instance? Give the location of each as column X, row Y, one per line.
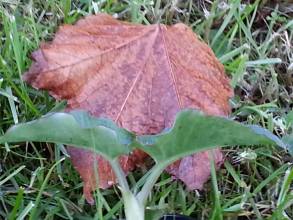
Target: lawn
column 253, row 40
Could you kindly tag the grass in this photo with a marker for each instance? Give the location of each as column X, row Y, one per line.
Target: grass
column 252, row 40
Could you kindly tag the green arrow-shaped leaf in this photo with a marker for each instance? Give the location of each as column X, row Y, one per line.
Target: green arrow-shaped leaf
column 193, row 132
column 76, row 129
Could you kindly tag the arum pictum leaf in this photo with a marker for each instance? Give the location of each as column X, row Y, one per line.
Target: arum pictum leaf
column 192, row 132
column 77, row 129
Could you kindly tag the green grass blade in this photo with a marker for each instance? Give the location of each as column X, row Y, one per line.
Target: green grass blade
column 226, row 21
column 17, row 204
column 217, row 209
column 12, row 175
column 44, row 184
column 26, row 210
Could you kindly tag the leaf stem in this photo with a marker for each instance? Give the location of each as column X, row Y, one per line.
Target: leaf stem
column 120, row 174
column 134, row 209
column 155, row 172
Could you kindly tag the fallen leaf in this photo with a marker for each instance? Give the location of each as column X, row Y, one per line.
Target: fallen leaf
column 195, row 170
column 140, row 77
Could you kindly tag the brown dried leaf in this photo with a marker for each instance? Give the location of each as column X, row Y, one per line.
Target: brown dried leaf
column 139, row 76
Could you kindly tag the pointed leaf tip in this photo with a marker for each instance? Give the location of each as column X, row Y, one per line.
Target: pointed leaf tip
column 288, row 140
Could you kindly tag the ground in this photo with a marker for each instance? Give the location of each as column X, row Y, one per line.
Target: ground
column 253, row 39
